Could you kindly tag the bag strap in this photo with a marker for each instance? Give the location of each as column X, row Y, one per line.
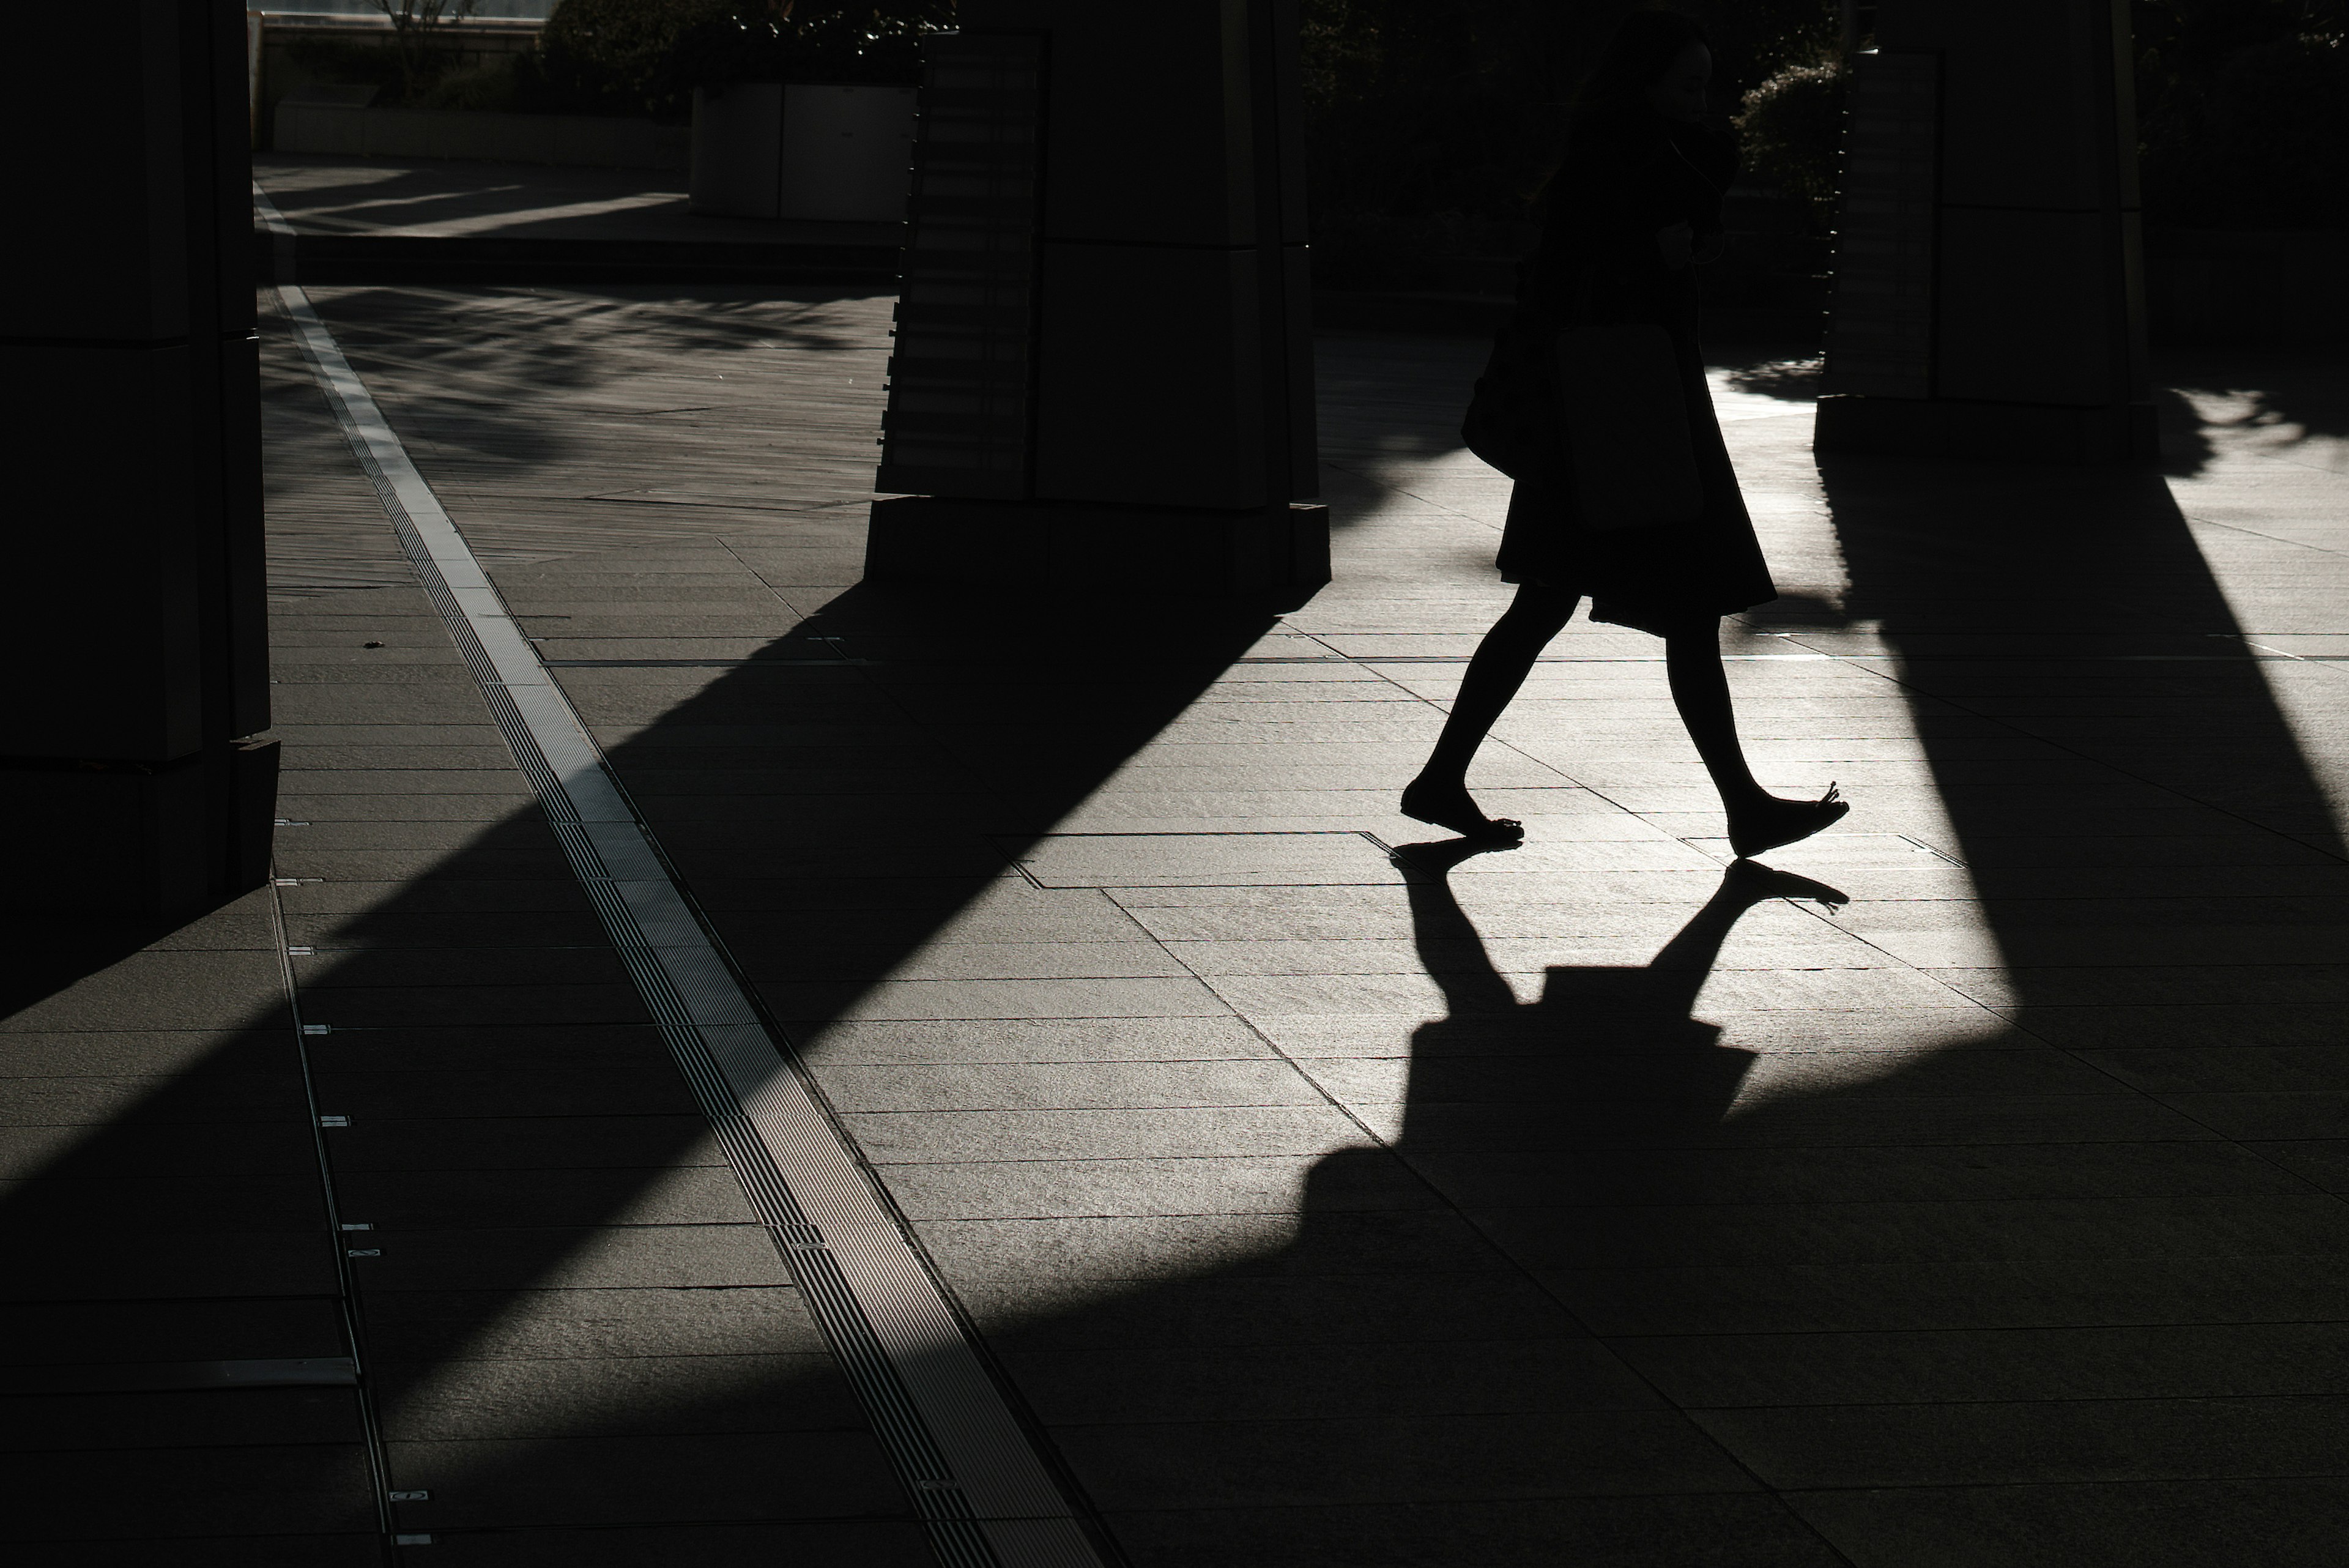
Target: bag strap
column 1716, row 190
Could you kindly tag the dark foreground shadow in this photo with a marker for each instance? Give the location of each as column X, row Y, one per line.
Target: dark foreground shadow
column 562, row 1392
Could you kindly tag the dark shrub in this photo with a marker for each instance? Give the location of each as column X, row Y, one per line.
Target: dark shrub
column 2244, row 112
column 1434, row 125
column 646, row 56
column 611, row 57
column 1791, row 126
column 2265, row 147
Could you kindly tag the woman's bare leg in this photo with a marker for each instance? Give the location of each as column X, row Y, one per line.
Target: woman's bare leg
column 1440, row 793
column 1701, row 691
column 1758, row 820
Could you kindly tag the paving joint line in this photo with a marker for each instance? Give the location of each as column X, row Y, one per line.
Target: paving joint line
column 347, row 1310
column 976, row 1478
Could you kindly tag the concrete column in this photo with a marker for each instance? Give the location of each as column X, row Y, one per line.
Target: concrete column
column 1989, row 294
column 135, row 632
column 1104, row 365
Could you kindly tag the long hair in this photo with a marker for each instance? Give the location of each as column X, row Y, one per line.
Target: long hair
column 1642, row 50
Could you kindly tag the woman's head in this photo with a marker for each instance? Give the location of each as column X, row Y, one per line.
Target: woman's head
column 1657, row 59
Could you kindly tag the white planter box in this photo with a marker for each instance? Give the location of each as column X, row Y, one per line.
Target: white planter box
column 818, row 152
column 737, row 149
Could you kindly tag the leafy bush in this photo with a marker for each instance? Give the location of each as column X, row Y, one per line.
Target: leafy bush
column 487, row 87
column 646, row 56
column 2242, row 115
column 1792, row 129
column 375, row 65
column 867, row 43
column 2244, row 112
column 415, row 26
column 1432, row 125
column 611, row 57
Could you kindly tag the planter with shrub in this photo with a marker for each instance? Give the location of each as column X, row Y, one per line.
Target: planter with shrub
column 836, row 153
column 809, row 116
column 616, row 82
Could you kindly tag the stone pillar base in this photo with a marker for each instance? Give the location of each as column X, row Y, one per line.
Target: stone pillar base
column 140, row 839
column 2005, row 432
column 1076, row 548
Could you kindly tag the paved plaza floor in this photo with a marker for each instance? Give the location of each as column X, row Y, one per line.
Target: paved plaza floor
column 1965, row 1190
column 449, row 220
column 443, row 199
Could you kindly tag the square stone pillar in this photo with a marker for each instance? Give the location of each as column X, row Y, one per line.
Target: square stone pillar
column 136, row 632
column 1989, row 296
column 1102, row 372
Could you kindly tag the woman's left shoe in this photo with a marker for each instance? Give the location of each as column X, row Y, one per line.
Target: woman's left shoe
column 1455, row 808
column 1783, row 822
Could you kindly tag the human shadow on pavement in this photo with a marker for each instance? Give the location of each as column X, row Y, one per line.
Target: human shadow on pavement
column 1639, row 1060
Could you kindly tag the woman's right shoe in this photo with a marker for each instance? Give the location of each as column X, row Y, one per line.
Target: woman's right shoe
column 1455, row 808
column 1783, row 822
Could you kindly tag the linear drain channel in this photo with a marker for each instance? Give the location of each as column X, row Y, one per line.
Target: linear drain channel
column 985, row 1493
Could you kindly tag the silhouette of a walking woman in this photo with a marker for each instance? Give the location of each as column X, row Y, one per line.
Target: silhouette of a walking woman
column 1624, row 492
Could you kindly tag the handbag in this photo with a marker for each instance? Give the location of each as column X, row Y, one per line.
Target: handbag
column 1607, row 399
column 1625, row 420
column 1512, row 418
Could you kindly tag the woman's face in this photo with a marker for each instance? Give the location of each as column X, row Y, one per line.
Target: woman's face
column 1680, row 92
